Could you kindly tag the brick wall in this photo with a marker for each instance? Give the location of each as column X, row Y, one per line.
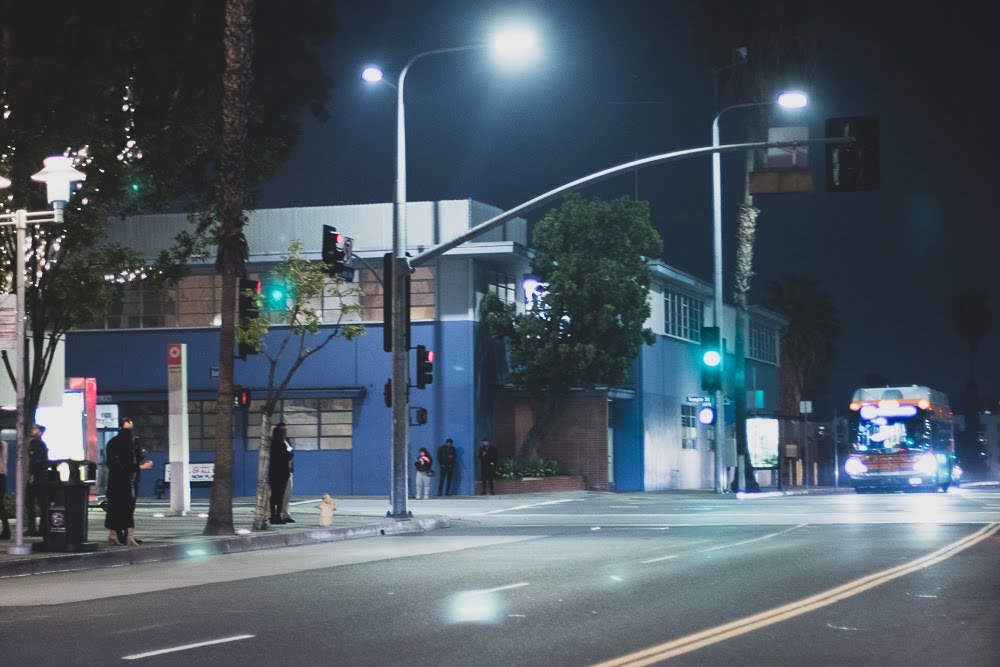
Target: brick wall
column 578, row 439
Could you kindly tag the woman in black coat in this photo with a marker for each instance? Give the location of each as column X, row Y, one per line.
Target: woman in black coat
column 278, row 470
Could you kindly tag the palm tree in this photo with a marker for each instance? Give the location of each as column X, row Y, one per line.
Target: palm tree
column 233, row 252
column 808, row 342
column 971, row 316
column 778, row 40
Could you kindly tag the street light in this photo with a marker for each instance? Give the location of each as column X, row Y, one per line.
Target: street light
column 786, row 100
column 507, row 43
column 57, row 175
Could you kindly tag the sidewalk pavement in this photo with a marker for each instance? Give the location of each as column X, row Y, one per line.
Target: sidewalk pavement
column 167, row 537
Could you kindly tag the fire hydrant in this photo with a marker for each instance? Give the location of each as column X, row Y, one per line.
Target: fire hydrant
column 326, row 508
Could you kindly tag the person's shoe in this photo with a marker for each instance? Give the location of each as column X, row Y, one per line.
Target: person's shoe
column 288, row 519
column 5, row 535
column 34, row 533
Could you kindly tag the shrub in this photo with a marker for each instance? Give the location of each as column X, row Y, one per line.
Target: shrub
column 540, row 467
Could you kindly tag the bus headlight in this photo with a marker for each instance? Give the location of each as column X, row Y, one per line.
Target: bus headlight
column 854, row 466
column 926, row 464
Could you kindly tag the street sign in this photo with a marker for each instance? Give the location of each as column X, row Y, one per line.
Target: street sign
column 213, row 372
column 348, row 249
column 347, row 273
column 8, row 321
column 698, row 399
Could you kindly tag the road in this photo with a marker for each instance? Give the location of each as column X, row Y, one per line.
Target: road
column 622, row 579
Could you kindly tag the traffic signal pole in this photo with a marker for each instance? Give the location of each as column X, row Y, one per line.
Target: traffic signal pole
column 403, row 265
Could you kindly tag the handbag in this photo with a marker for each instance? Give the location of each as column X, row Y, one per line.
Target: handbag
column 430, row 473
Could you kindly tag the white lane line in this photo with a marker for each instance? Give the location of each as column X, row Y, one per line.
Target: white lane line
column 657, row 560
column 525, row 507
column 756, row 539
column 150, row 654
column 486, row 591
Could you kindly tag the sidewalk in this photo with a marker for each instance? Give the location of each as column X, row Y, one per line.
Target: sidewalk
column 167, row 537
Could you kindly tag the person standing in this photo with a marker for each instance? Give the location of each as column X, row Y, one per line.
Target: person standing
column 140, row 458
column 278, row 470
column 5, row 533
column 120, row 457
column 285, row 516
column 425, row 468
column 488, row 464
column 38, row 470
column 447, row 456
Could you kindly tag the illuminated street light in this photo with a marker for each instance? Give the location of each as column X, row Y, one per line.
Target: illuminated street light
column 786, row 100
column 507, row 43
column 58, row 176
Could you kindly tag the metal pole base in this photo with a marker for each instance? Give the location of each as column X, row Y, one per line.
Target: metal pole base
column 19, row 550
column 405, row 515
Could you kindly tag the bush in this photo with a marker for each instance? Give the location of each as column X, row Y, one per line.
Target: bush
column 540, row 467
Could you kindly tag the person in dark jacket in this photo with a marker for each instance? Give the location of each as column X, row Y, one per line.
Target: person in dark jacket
column 38, row 470
column 278, row 470
column 447, row 456
column 120, row 457
column 488, row 464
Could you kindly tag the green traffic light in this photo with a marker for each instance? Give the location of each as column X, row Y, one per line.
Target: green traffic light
column 712, row 358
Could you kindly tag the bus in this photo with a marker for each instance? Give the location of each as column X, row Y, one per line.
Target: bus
column 901, row 439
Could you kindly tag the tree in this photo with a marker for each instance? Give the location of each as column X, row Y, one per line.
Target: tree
column 304, row 284
column 586, row 327
column 778, row 42
column 132, row 91
column 971, row 316
column 808, row 342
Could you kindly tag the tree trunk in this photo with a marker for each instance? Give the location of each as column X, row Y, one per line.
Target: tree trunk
column 551, row 408
column 261, row 510
column 232, row 253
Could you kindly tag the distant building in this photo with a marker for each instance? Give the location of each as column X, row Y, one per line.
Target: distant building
column 643, row 436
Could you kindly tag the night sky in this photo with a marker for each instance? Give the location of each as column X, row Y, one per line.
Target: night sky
column 891, row 258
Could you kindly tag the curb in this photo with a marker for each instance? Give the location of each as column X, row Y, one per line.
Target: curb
column 211, row 546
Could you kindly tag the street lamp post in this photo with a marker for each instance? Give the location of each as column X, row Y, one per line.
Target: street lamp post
column 508, row 43
column 57, row 175
column 788, row 100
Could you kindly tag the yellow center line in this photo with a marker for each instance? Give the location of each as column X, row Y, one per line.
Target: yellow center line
column 742, row 626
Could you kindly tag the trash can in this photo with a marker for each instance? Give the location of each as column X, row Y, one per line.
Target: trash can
column 64, row 519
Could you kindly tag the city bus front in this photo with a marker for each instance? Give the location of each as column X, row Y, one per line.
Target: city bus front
column 901, row 446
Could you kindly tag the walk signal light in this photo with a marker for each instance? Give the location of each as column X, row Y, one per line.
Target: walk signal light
column 333, row 253
column 419, row 417
column 425, row 366
column 711, row 359
column 387, row 393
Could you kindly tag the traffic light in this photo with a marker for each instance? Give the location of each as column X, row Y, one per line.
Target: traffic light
column 275, row 295
column 249, row 307
column 387, row 304
column 711, row 359
column 853, row 166
column 387, row 393
column 425, row 366
column 333, row 252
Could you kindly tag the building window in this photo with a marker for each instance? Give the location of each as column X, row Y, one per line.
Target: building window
column 763, row 342
column 683, row 316
column 201, row 425
column 503, row 285
column 423, row 294
column 149, row 423
column 689, row 427
column 313, row 423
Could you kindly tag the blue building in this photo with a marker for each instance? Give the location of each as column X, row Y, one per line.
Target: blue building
column 334, row 408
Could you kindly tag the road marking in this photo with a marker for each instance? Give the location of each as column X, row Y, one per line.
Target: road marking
column 719, row 633
column 657, row 560
column 486, row 591
column 525, row 507
column 623, row 507
column 150, row 654
column 756, row 539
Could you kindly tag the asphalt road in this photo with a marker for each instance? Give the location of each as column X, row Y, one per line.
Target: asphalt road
column 630, row 579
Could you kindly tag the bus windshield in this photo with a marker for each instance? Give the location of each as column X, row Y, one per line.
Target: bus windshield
column 893, row 434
